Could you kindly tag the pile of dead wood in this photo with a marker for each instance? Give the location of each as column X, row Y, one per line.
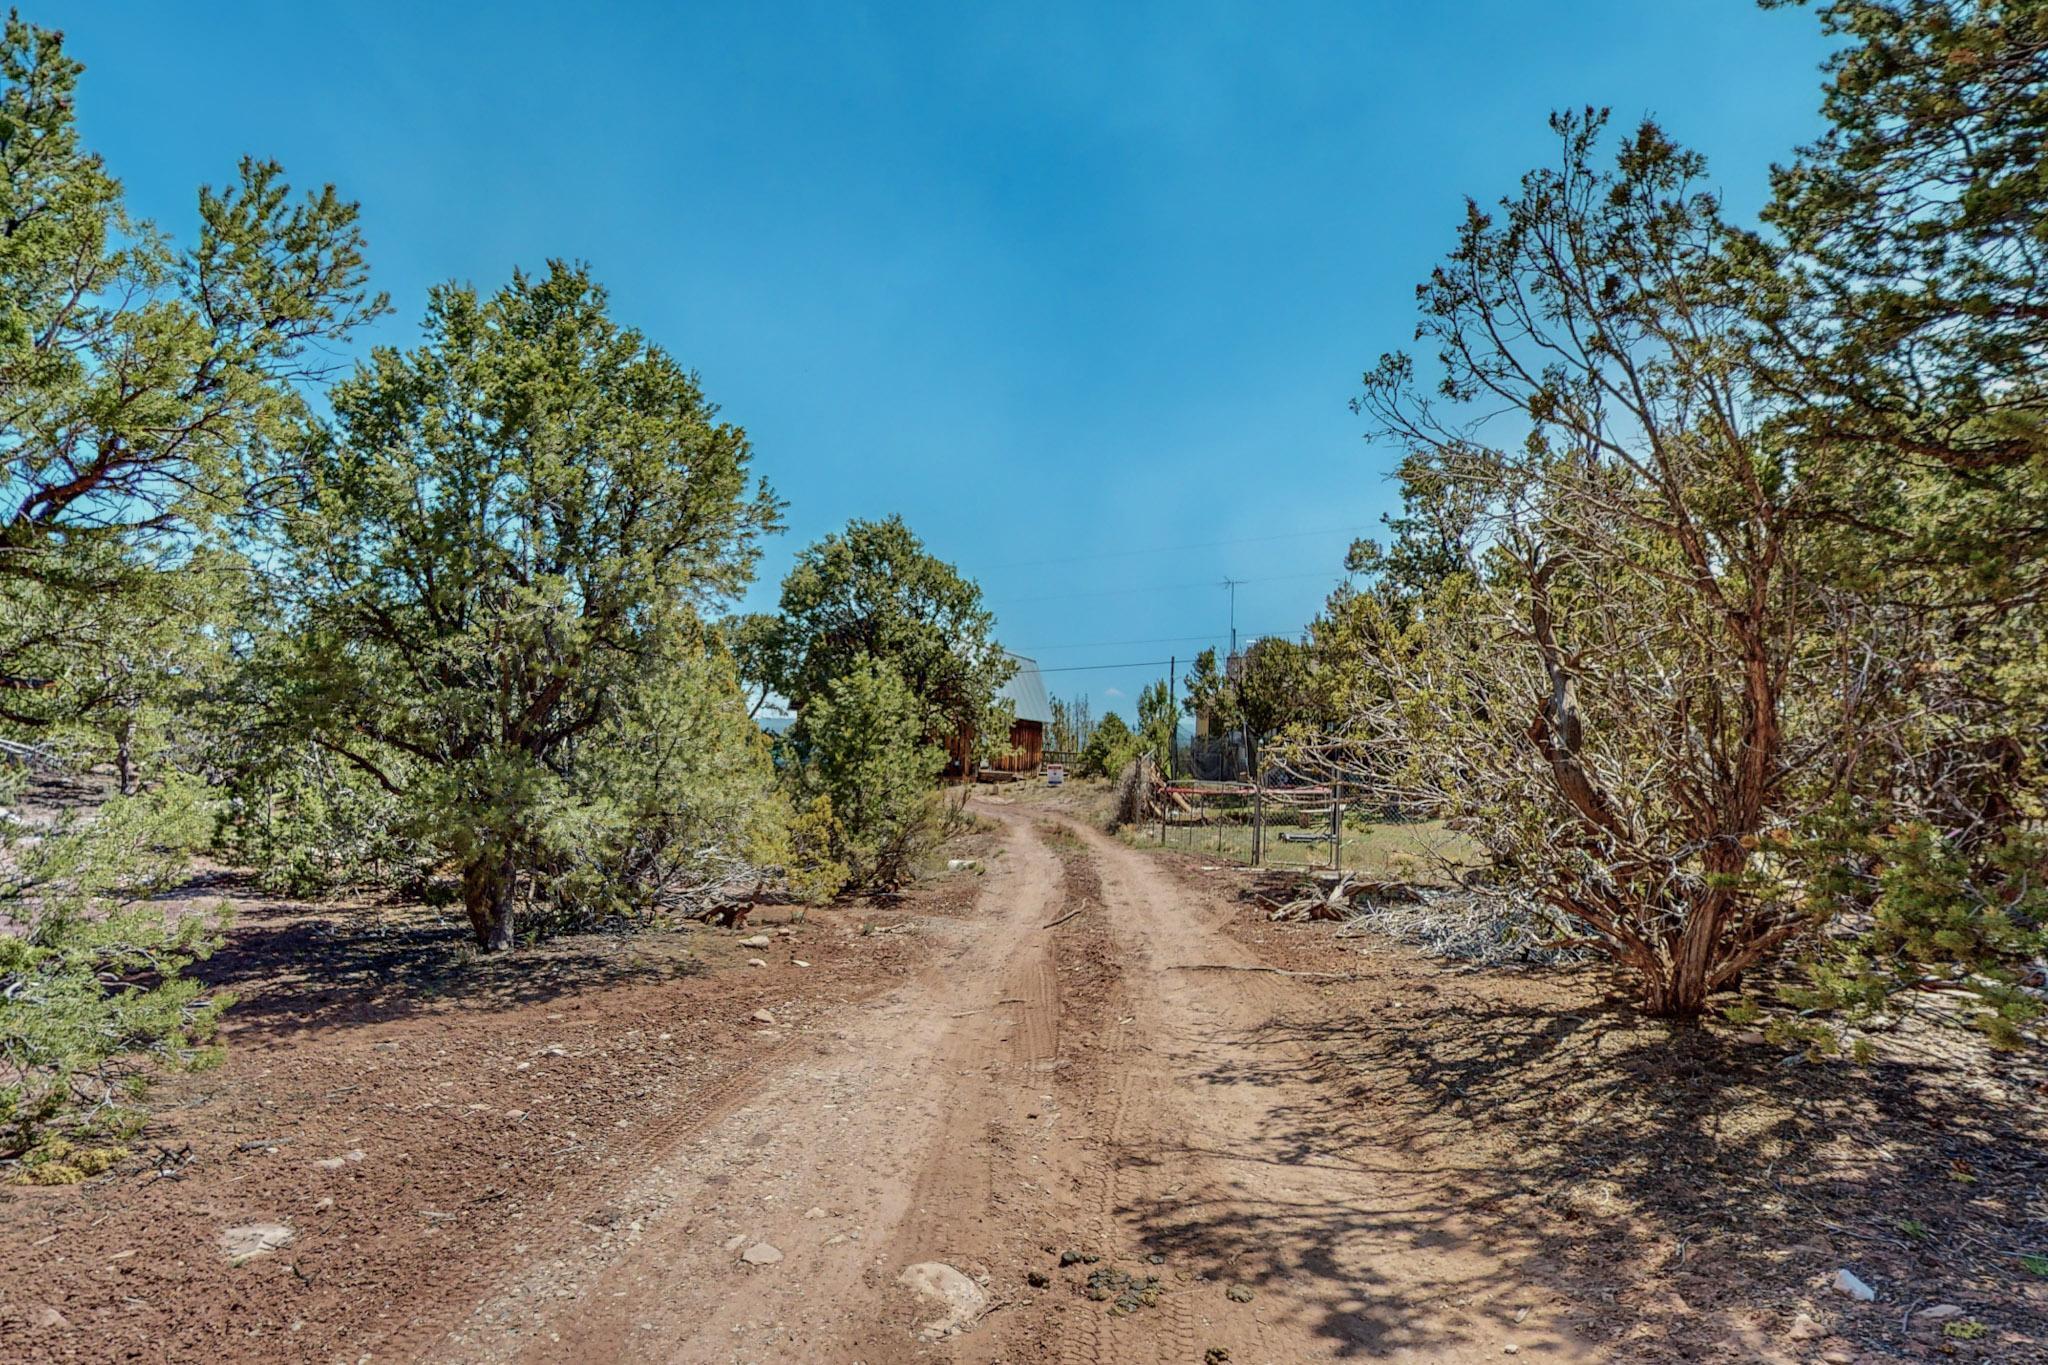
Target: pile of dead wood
column 1333, row 896
column 1139, row 790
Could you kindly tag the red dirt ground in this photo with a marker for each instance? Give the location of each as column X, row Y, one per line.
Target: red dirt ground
column 1084, row 1049
column 492, row 1102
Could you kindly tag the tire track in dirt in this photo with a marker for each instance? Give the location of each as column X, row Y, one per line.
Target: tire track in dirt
column 1124, row 1081
column 1091, row 1017
column 891, row 1144
column 1215, row 1150
column 578, row 1203
column 1045, row 1084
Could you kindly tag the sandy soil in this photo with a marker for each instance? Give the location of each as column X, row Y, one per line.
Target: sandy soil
column 1107, row 1087
column 1139, row 1122
column 421, row 1122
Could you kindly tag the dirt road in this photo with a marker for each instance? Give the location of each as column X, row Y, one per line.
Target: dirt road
column 1116, row 1086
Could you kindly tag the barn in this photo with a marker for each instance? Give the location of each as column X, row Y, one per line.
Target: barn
column 1032, row 708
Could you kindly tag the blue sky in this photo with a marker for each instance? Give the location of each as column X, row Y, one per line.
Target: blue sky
column 1082, row 291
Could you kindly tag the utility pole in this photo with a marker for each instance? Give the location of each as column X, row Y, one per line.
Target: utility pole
column 1230, row 671
column 1173, row 710
column 1231, row 584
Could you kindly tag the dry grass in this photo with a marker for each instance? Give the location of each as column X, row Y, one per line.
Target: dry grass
column 1417, row 851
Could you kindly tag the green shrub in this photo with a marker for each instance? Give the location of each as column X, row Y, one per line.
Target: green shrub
column 673, row 800
column 865, row 751
column 1110, row 749
column 1956, row 927
column 92, row 993
column 811, row 870
column 310, row 824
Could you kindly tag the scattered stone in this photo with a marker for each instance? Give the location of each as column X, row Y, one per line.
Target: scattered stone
column 1216, row 1355
column 757, row 941
column 324, row 1203
column 961, row 1298
column 835, row 1239
column 1750, row 1038
column 1239, row 1293
column 755, row 962
column 1037, row 1279
column 554, row 1050
column 1510, row 1349
column 51, row 1320
column 1804, row 1328
column 799, row 962
column 760, row 1253
column 1940, row 1312
column 814, row 1211
column 335, row 1163
column 247, row 1241
column 762, row 1017
column 1125, row 1293
column 1068, row 1258
column 1847, row 1283
column 736, row 1241
column 785, row 932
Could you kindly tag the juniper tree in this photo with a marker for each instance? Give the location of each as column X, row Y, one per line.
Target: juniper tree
column 144, row 389
column 874, row 592
column 1902, row 324
column 1625, row 695
column 867, row 751
column 509, row 523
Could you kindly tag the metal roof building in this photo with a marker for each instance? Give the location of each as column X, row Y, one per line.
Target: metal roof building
column 1026, row 691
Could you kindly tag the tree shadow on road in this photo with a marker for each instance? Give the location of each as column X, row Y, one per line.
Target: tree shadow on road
column 1666, row 1192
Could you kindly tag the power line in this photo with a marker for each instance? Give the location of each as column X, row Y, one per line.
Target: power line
column 1164, row 549
column 1034, row 650
column 1209, row 585
column 1142, row 663
column 1096, row 668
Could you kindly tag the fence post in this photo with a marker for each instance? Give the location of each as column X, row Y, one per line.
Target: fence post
column 1258, row 825
column 1336, row 826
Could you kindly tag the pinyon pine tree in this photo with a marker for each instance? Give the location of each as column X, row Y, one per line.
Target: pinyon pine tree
column 510, row 523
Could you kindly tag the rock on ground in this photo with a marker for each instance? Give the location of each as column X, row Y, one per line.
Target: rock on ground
column 961, row 1298
column 247, row 1241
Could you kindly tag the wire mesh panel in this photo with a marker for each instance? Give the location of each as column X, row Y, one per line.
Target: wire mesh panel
column 1205, row 817
column 1237, row 822
column 1298, row 827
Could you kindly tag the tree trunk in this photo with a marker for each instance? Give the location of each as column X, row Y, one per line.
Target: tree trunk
column 488, row 885
column 1677, row 991
column 124, row 752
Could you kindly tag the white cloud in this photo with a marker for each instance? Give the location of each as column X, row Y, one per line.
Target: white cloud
column 1113, row 692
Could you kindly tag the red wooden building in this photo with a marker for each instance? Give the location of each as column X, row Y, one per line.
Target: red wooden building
column 1033, row 713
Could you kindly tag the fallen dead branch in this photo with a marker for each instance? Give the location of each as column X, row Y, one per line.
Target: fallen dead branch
column 1064, row 918
column 1338, row 902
